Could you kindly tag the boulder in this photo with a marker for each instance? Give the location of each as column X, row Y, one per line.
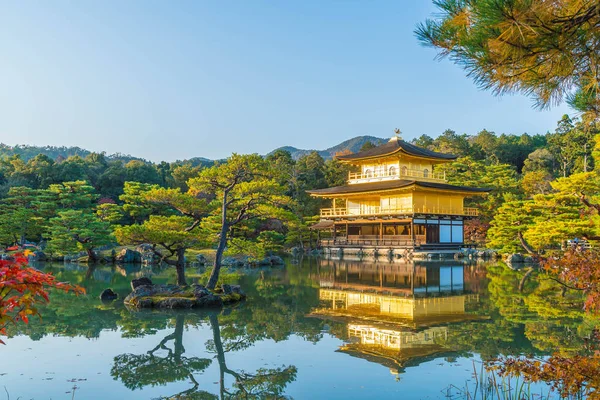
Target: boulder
column 38, row 255
column 174, row 302
column 200, row 291
column 209, row 301
column 173, row 296
column 143, row 281
column 515, row 258
column 229, row 289
column 201, row 259
column 127, row 256
column 108, row 295
column 482, row 254
column 150, row 258
column 144, row 248
column 232, row 262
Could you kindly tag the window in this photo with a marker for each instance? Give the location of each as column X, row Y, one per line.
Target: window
column 425, row 173
column 392, row 171
column 404, row 171
column 368, row 173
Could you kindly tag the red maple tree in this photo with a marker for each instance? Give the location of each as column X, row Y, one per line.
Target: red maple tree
column 22, row 288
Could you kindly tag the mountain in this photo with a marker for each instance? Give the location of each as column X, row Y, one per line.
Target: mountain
column 55, row 152
column 353, row 145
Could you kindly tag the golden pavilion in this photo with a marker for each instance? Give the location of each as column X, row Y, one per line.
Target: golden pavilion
column 396, row 199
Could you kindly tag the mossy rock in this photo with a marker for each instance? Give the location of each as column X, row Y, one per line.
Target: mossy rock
column 177, row 297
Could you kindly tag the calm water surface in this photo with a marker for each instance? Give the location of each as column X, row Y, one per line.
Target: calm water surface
column 312, row 329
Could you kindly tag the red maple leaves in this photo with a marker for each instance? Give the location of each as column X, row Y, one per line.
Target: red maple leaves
column 22, row 288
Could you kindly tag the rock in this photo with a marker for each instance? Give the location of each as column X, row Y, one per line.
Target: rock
column 127, row 256
column 209, row 301
column 38, row 256
column 201, row 259
column 174, row 302
column 232, row 262
column 149, row 258
column 108, row 295
column 143, row 281
column 173, row 296
column 144, row 248
column 482, row 254
column 200, row 291
column 145, row 303
column 227, row 289
column 515, row 258
column 296, row 251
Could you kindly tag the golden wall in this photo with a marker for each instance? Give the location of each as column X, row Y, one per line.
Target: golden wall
column 418, row 201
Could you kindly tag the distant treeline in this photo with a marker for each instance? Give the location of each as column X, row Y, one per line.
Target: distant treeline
column 521, row 164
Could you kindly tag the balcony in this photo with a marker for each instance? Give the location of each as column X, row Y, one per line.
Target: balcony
column 375, row 211
column 403, row 173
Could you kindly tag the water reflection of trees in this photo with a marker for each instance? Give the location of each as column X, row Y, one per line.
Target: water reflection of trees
column 263, row 383
column 150, row 368
column 535, row 319
column 165, row 364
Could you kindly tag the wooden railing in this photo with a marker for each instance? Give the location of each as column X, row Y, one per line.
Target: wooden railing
column 385, row 211
column 373, row 240
column 403, row 173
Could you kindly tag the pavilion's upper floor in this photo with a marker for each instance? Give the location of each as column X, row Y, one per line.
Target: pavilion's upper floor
column 396, row 159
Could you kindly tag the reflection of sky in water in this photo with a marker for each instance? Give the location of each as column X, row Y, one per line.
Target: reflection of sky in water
column 389, row 313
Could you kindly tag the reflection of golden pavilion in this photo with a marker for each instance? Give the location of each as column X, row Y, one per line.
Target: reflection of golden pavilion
column 397, row 314
column 396, row 349
column 407, row 311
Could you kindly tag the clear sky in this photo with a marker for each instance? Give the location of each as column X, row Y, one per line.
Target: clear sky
column 168, row 80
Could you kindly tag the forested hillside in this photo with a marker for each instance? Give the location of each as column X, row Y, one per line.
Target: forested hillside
column 58, row 153
column 351, row 145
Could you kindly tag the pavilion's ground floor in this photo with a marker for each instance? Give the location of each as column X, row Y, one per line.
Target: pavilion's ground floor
column 412, row 233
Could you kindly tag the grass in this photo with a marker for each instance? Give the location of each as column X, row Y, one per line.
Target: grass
column 489, row 385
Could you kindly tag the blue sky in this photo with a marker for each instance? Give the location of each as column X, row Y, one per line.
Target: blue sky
column 171, row 80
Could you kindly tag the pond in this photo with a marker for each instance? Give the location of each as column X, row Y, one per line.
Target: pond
column 316, row 328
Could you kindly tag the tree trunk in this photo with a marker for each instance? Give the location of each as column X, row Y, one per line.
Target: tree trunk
column 214, row 276
column 180, row 266
column 91, row 255
column 526, row 245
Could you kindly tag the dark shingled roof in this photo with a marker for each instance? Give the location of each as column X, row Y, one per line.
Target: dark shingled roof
column 390, row 185
column 394, row 146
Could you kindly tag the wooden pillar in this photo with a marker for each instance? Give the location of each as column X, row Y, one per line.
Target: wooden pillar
column 412, row 279
column 333, row 200
column 412, row 231
column 381, row 230
column 334, row 233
